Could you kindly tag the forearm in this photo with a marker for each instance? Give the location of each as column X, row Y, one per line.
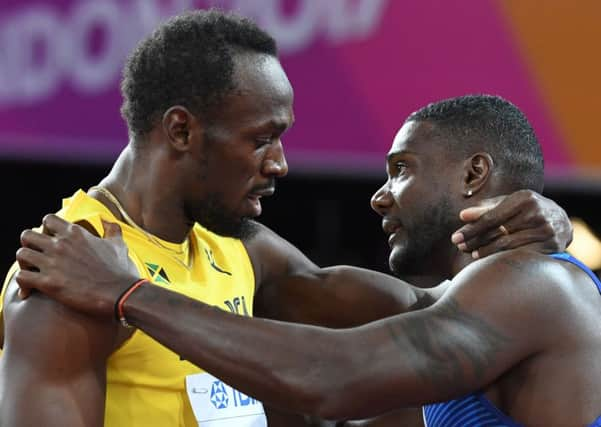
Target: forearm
column 291, row 366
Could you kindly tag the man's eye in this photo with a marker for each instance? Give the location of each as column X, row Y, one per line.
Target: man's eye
column 400, row 167
column 263, row 140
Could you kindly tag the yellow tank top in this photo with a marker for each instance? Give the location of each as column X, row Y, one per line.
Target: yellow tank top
column 145, row 380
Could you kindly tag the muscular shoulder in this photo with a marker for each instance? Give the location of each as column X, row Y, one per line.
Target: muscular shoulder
column 515, row 268
column 60, row 354
column 260, row 238
column 273, row 256
column 522, row 269
column 41, row 328
column 517, row 288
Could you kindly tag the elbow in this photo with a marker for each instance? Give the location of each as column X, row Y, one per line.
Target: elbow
column 322, row 378
column 329, row 389
column 325, row 398
column 332, row 406
column 342, row 400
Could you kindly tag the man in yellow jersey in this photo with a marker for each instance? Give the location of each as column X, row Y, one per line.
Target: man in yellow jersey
column 206, row 102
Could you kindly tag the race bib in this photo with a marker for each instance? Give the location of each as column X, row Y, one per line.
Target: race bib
column 216, row 404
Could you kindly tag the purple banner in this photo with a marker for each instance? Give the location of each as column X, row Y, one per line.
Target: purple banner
column 359, row 67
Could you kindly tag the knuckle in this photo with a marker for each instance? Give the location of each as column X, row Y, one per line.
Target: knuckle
column 22, row 256
column 71, row 229
column 547, row 230
column 47, row 218
column 20, row 278
column 25, row 234
column 533, row 203
column 47, row 283
column 503, row 243
column 528, row 195
column 20, row 253
column 76, row 232
column 466, row 230
column 60, row 245
column 515, row 199
column 526, row 218
column 540, row 219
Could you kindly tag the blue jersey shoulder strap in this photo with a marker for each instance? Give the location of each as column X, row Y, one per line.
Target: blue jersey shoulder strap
column 569, row 258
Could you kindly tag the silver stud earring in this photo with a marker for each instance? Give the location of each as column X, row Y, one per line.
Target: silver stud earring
column 469, row 193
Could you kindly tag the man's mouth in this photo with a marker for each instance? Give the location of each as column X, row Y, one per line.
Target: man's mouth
column 262, row 192
column 254, row 199
column 391, row 227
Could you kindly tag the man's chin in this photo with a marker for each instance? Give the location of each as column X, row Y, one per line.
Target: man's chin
column 241, row 229
column 403, row 264
column 396, row 261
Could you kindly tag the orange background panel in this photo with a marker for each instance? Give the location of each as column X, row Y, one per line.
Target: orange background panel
column 560, row 41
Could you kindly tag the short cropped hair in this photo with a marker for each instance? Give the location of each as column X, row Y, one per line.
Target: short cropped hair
column 492, row 124
column 188, row 60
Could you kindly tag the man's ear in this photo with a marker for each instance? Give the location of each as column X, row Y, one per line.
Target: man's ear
column 477, row 170
column 180, row 127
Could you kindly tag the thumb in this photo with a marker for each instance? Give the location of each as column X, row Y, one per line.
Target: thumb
column 111, row 230
column 473, row 213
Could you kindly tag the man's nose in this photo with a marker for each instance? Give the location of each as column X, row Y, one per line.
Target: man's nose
column 275, row 163
column 382, row 199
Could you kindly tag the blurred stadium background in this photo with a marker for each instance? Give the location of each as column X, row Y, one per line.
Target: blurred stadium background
column 359, row 67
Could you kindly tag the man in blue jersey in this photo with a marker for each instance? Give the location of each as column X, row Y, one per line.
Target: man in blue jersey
column 465, row 341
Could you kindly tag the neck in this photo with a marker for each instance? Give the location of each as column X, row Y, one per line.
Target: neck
column 461, row 261
column 140, row 181
column 424, row 280
column 449, row 262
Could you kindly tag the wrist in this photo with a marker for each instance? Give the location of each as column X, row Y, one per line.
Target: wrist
column 119, row 307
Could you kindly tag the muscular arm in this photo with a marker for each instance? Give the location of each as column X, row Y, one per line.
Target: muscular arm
column 458, row 345
column 85, row 275
column 53, row 368
column 287, row 281
column 294, row 289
